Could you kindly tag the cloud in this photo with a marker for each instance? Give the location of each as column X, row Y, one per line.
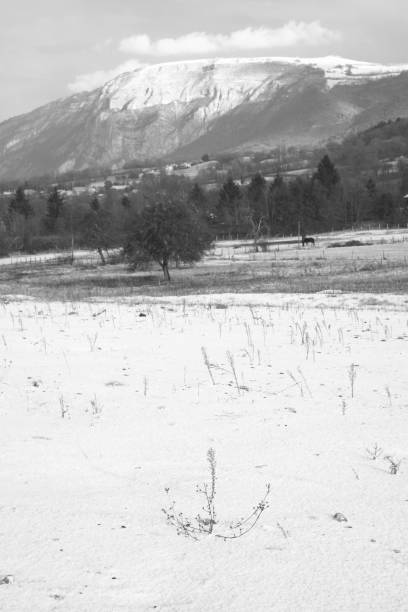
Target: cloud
column 248, row 39
column 203, row 44
column 92, row 80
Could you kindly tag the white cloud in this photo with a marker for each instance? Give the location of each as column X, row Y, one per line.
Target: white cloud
column 140, row 43
column 248, row 39
column 92, row 80
column 204, row 44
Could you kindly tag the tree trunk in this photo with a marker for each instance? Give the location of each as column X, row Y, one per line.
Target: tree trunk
column 165, row 268
column 101, row 255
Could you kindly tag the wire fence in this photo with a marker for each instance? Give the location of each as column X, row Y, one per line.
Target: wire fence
column 45, row 260
column 392, row 246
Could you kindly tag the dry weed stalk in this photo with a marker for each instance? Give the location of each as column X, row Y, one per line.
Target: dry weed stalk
column 389, row 396
column 297, row 383
column 374, row 452
column 234, row 372
column 285, row 533
column 208, row 364
column 96, row 407
column 394, row 465
column 352, row 372
column 305, row 381
column 63, row 406
column 202, row 525
column 92, row 341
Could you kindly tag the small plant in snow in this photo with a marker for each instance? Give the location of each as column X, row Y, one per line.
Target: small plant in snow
column 389, row 396
column 352, row 372
column 208, row 364
column 374, row 452
column 96, row 407
column 63, row 406
column 394, row 465
column 234, row 372
column 296, row 382
column 92, row 341
column 204, row 524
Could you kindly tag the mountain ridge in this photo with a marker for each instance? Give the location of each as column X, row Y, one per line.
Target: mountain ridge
column 203, row 106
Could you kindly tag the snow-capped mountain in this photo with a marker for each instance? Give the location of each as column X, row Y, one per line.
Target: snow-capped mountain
column 203, row 106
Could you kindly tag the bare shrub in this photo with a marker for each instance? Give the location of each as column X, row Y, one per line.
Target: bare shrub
column 204, row 524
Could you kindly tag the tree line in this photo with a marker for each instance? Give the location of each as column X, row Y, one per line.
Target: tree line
column 168, row 211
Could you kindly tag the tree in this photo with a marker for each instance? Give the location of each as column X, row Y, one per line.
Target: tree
column 21, row 206
column 108, row 193
column 97, row 229
column 167, row 231
column 279, row 207
column 327, row 180
column 327, row 175
column 229, row 200
column 55, row 203
column 385, row 207
column 198, row 200
column 256, row 194
column 125, row 201
column 371, row 197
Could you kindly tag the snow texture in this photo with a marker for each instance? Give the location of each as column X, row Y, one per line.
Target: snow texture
column 228, row 81
column 102, row 410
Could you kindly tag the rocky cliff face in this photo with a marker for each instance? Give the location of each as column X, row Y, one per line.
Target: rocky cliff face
column 190, row 108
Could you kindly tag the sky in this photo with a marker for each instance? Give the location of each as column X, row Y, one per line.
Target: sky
column 53, row 48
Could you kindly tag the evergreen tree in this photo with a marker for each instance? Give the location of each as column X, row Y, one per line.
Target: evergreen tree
column 20, row 205
column 385, row 207
column 256, row 194
column 55, row 203
column 279, row 207
column 371, row 196
column 229, row 201
column 327, row 175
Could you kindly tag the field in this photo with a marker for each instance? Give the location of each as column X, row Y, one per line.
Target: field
column 378, row 265
column 112, row 395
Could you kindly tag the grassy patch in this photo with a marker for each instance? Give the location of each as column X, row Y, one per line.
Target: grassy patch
column 305, row 272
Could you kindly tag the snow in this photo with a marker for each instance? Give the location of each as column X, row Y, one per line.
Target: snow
column 102, row 409
column 228, row 82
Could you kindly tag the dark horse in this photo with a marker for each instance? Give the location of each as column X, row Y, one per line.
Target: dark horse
column 308, row 240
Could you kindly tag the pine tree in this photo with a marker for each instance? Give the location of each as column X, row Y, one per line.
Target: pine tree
column 327, row 175
column 55, row 203
column 228, row 202
column 279, row 207
column 256, row 194
column 21, row 206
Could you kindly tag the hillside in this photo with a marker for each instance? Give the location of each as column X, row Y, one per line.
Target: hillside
column 185, row 109
column 373, row 147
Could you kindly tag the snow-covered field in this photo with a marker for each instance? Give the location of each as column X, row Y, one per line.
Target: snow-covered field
column 107, row 416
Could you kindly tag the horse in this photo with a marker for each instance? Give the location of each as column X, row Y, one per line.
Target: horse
column 308, row 240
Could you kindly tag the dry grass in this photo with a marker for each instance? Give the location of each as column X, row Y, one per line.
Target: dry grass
column 291, row 271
